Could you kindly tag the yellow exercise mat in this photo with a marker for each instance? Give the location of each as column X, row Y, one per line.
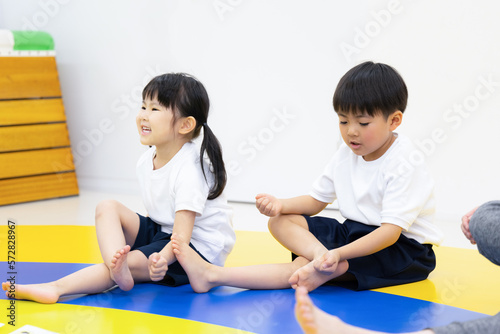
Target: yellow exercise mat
column 78, row 244
column 463, row 278
column 66, row 318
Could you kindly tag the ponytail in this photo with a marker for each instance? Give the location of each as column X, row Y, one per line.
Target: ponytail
column 212, row 147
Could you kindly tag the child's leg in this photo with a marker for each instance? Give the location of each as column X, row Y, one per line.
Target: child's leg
column 204, row 276
column 313, row 320
column 88, row 280
column 116, row 226
column 292, row 231
column 129, row 267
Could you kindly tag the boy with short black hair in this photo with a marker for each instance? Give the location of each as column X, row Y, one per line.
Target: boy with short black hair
column 388, row 233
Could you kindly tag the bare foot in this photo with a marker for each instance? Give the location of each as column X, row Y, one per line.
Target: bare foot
column 120, row 272
column 311, row 278
column 312, row 320
column 45, row 293
column 199, row 271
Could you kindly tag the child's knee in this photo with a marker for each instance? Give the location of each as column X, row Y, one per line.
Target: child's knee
column 277, row 223
column 105, row 206
column 273, row 222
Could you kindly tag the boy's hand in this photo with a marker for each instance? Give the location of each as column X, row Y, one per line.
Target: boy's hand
column 328, row 262
column 158, row 267
column 268, row 205
column 465, row 225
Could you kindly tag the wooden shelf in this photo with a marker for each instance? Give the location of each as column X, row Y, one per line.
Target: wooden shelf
column 35, row 151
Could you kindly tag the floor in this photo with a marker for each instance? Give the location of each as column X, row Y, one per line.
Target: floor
column 456, row 290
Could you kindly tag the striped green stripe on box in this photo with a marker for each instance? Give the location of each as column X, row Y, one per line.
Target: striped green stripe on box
column 14, row 43
column 32, row 40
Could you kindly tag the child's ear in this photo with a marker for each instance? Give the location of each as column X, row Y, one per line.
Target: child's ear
column 188, row 124
column 396, row 119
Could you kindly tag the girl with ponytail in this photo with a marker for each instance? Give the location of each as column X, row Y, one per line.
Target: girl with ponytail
column 182, row 190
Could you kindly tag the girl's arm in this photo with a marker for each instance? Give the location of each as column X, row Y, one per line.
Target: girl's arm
column 301, row 205
column 380, row 238
column 159, row 262
column 183, row 226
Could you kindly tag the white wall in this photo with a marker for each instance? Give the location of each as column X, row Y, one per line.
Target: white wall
column 270, row 68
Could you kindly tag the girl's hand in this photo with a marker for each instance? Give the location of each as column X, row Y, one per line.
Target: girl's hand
column 465, row 225
column 158, row 267
column 328, row 262
column 268, row 205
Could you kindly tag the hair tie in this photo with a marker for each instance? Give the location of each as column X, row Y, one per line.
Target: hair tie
column 205, row 124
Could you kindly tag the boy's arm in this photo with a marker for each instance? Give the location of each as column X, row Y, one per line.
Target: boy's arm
column 380, row 238
column 301, row 205
column 158, row 262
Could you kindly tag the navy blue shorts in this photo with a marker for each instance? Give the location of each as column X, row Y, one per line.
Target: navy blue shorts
column 150, row 239
column 405, row 261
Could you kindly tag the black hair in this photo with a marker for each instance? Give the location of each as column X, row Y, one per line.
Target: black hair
column 186, row 96
column 373, row 88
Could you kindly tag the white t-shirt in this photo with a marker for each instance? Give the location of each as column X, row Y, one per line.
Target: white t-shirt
column 180, row 185
column 395, row 189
